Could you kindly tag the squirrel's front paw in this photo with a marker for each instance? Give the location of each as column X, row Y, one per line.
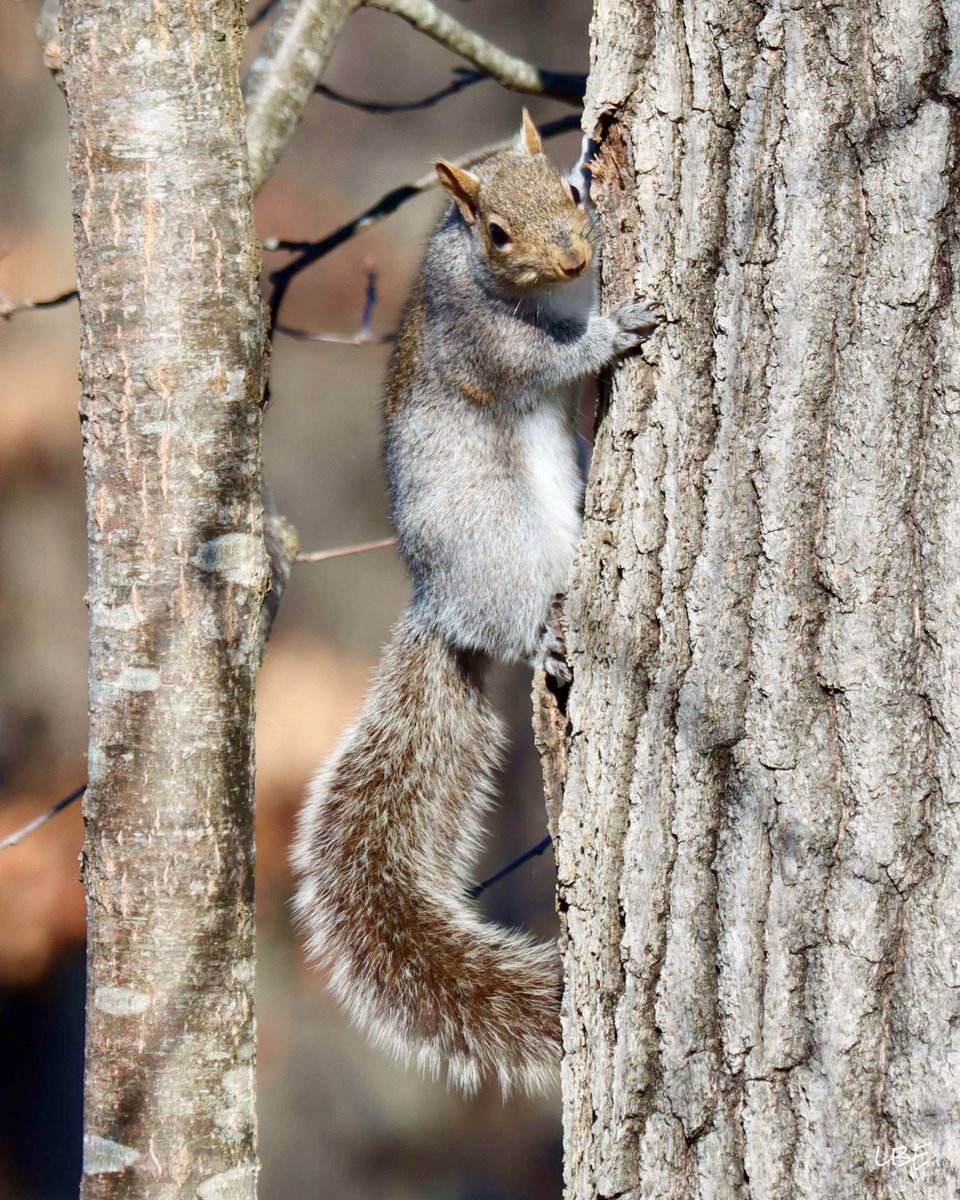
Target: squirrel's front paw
column 634, row 323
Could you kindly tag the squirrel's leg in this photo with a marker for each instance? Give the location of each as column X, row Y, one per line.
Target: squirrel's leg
column 571, row 353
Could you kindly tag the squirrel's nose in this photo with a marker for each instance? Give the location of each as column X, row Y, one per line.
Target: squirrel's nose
column 571, row 267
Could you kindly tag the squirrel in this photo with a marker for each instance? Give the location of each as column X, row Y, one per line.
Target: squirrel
column 486, row 495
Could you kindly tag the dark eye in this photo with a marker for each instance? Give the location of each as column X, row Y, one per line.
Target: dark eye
column 498, row 235
column 575, row 193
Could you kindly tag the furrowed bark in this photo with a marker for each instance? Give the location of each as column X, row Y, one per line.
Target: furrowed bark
column 759, row 841
column 171, row 362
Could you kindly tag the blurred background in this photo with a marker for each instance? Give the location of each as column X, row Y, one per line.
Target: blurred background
column 337, row 1120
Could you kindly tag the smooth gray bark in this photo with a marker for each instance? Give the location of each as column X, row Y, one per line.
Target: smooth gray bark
column 172, row 358
column 759, row 838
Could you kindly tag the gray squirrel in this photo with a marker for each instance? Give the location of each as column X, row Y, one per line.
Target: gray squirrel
column 486, row 496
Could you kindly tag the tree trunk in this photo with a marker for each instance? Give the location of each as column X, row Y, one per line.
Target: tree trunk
column 759, row 830
column 171, row 363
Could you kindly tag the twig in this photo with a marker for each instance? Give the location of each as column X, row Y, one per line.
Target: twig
column 369, row 295
column 464, row 78
column 15, row 838
column 263, row 13
column 309, row 252
column 337, row 339
column 315, row 556
column 364, row 335
column 533, row 852
column 21, row 833
column 10, row 307
column 283, row 75
column 387, row 204
column 505, row 68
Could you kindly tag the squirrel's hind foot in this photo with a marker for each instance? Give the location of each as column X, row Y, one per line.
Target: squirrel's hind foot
column 551, row 652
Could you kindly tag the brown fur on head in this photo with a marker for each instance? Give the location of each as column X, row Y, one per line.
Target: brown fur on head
column 528, row 219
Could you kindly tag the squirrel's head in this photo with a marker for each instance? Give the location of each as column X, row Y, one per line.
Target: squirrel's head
column 527, row 220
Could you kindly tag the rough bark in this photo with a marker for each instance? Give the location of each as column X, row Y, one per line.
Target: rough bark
column 171, row 364
column 759, row 831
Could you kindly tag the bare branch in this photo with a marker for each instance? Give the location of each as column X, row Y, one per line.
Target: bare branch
column 464, row 77
column 364, row 335
column 505, row 68
column 285, row 72
column 20, row 834
column 10, row 307
column 533, row 852
column 315, row 556
column 299, row 44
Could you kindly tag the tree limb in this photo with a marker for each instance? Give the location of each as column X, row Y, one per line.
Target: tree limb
column 285, row 72
column 363, row 337
column 301, row 39
column 534, row 852
column 506, row 69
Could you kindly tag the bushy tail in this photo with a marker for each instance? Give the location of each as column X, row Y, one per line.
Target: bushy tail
column 385, row 841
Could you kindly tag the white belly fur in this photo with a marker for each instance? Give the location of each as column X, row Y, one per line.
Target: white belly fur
column 548, row 453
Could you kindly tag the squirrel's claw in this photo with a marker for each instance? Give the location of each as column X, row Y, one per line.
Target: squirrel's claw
column 551, row 653
column 559, row 668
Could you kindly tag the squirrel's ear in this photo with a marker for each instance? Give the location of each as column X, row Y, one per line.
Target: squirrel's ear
column 461, row 186
column 530, row 136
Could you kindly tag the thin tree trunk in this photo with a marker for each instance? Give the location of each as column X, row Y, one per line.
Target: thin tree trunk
column 171, row 363
column 759, row 833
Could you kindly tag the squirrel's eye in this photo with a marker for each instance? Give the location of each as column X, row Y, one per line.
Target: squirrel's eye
column 498, row 235
column 575, row 193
